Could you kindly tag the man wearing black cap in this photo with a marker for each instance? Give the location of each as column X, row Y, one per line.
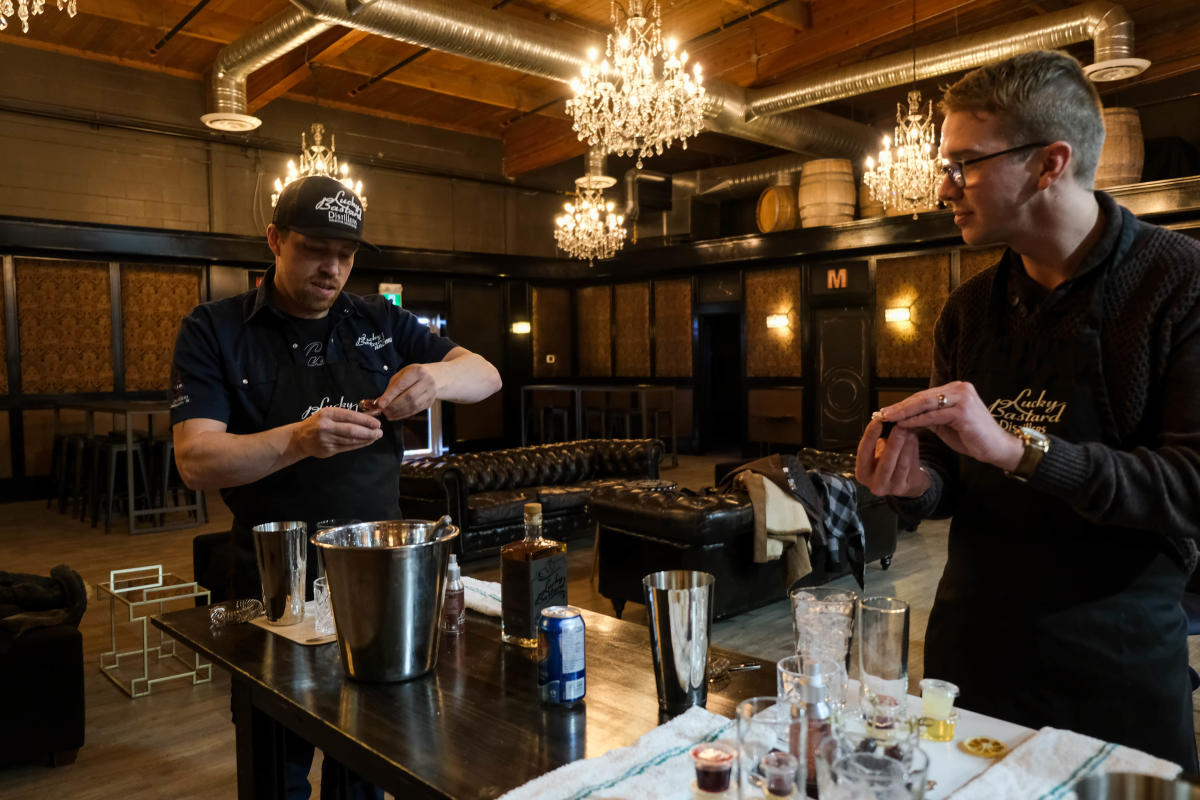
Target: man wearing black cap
column 268, row 389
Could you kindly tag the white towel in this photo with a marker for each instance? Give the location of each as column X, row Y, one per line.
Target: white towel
column 658, row 765
column 482, row 596
column 1047, row 765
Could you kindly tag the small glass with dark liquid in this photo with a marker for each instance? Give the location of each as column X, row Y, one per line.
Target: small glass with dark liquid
column 714, row 764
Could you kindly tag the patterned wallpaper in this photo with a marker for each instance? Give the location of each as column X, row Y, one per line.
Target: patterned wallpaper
column 633, row 329
column 973, row 262
column 551, row 323
column 593, row 305
column 773, row 352
column 64, row 315
column 673, row 328
column 922, row 283
column 154, row 300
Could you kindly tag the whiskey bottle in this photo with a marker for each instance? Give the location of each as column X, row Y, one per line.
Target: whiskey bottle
column 533, row 575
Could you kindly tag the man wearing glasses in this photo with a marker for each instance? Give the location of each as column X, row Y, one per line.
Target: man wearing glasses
column 1062, row 430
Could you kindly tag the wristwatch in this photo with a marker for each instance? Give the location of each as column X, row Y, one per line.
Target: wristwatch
column 1037, row 444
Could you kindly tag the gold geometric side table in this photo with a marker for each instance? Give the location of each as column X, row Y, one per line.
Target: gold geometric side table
column 133, row 595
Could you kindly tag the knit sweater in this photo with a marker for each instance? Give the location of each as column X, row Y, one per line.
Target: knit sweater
column 1150, row 343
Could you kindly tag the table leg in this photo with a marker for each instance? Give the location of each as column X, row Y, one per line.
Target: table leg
column 578, row 392
column 260, row 748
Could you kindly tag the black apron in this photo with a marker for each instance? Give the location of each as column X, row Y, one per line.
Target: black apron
column 358, row 484
column 1042, row 617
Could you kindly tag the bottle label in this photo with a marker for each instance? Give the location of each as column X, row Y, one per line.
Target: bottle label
column 547, row 586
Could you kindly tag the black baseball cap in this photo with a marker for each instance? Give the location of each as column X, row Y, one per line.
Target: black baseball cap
column 323, row 207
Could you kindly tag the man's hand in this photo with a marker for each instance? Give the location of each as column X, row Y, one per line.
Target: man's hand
column 410, row 391
column 334, row 430
column 890, row 466
column 955, row 413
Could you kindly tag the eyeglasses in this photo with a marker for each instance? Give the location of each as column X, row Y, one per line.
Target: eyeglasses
column 954, row 169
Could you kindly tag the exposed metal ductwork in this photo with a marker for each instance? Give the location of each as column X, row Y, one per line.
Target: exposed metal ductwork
column 227, row 82
column 474, row 32
column 1106, row 24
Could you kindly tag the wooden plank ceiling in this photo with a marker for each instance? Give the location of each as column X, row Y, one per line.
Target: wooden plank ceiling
column 750, row 43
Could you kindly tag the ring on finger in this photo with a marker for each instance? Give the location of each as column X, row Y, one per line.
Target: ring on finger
column 941, row 402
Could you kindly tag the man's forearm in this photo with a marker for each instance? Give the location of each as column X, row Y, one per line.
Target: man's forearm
column 467, row 378
column 218, row 460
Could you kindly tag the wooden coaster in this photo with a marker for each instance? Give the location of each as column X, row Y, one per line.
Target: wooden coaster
column 983, row 747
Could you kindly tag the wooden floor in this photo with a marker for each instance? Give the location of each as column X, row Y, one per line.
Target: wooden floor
column 178, row 742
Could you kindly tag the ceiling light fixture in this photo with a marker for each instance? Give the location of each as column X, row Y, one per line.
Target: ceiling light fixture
column 908, row 172
column 317, row 159
column 639, row 99
column 590, row 228
column 29, row 8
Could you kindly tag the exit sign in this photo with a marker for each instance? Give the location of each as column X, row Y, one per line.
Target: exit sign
column 393, row 292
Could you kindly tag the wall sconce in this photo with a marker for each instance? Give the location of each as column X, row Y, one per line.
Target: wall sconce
column 897, row 314
column 777, row 321
column 521, row 328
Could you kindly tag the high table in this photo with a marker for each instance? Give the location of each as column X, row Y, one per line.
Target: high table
column 472, row 728
column 577, row 390
column 127, row 409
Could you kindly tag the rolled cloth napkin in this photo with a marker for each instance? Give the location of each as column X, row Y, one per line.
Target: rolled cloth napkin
column 482, row 596
column 658, row 765
column 1048, row 764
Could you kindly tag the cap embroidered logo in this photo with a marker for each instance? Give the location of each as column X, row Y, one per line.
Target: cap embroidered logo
column 343, row 210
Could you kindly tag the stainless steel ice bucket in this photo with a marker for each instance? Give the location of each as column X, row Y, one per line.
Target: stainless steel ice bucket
column 385, row 582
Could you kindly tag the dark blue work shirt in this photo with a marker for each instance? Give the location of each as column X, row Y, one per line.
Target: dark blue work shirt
column 228, row 352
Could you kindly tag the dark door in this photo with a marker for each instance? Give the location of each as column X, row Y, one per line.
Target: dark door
column 720, row 411
column 843, row 406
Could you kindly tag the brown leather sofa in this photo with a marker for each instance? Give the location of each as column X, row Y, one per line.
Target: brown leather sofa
column 642, row 532
column 485, row 493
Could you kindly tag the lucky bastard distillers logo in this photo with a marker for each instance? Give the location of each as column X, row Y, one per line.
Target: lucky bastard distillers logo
column 343, row 209
column 1028, row 411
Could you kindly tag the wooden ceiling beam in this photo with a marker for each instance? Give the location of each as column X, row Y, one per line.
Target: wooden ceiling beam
column 277, row 78
column 161, row 15
column 535, row 142
column 794, row 14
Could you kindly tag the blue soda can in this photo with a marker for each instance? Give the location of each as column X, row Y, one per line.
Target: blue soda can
column 562, row 663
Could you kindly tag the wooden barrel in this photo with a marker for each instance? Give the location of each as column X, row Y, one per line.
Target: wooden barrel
column 777, row 208
column 827, row 193
column 868, row 207
column 1122, row 155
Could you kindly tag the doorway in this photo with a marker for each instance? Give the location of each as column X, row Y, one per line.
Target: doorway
column 720, row 389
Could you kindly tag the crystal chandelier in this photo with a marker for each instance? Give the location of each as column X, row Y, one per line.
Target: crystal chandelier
column 29, row 8
column 590, row 229
column 639, row 99
column 907, row 175
column 316, row 159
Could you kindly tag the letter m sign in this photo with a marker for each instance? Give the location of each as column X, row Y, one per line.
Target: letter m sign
column 836, row 278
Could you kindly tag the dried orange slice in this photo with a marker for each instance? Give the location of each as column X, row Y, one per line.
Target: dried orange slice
column 984, row 747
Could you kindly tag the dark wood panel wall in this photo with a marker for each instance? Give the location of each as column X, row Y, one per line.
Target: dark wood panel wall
column 773, row 352
column 153, row 301
column 920, row 283
column 631, row 310
column 552, row 332
column 673, row 329
column 593, row 308
column 64, row 312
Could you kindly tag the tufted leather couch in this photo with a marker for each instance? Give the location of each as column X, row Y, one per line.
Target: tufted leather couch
column 642, row 532
column 485, row 493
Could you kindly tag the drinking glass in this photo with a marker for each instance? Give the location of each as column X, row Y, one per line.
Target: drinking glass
column 322, row 608
column 846, row 773
column 771, row 747
column 883, row 659
column 823, row 621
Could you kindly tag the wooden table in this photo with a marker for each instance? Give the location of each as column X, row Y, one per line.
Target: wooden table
column 472, row 728
column 127, row 409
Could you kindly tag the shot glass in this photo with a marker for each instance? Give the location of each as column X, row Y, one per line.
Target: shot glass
column 768, row 728
column 938, row 715
column 714, row 767
column 322, row 608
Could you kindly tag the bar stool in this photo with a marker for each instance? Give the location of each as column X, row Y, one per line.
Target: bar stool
column 621, row 411
column 109, row 453
column 169, row 480
column 662, row 415
column 64, row 466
